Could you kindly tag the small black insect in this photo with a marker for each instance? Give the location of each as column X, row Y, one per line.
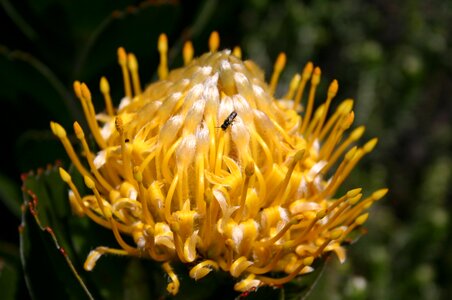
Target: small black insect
column 228, row 121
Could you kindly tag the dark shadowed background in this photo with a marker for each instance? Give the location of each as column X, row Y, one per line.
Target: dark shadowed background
column 394, row 59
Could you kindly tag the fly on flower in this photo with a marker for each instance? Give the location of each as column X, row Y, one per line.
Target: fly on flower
column 259, row 203
column 228, row 121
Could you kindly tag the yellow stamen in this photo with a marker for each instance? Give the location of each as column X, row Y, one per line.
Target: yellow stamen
column 67, row 178
column 82, row 92
column 283, row 186
column 173, row 286
column 163, row 50
column 202, row 269
column 89, row 157
column 133, row 67
column 122, row 60
column 334, row 235
column 352, row 214
column 368, row 147
column 280, row 281
column 95, row 254
column 313, row 124
column 350, row 194
column 336, row 135
column 358, row 222
column 200, row 187
column 343, row 109
column 349, row 156
column 268, row 155
column 237, row 52
column 105, row 89
column 293, row 86
column 188, row 52
column 249, row 171
column 59, row 131
column 211, row 207
column 86, row 97
column 332, row 91
column 353, row 137
column 279, row 235
column 305, row 75
column 270, row 266
column 89, row 182
column 169, row 198
column 341, row 213
column 280, row 63
column 220, row 152
column 125, row 156
column 302, row 236
column 143, row 196
column 262, row 188
column 106, row 211
column 146, row 161
column 178, row 243
column 214, row 41
column 239, row 266
column 314, row 83
column 120, row 240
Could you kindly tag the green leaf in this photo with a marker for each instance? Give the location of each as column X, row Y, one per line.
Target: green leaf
column 49, row 271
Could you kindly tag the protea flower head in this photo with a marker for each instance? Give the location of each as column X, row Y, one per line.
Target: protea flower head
column 207, row 167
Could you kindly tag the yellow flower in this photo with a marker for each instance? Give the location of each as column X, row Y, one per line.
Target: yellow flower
column 206, row 167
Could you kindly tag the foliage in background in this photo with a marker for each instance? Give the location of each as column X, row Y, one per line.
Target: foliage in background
column 394, row 59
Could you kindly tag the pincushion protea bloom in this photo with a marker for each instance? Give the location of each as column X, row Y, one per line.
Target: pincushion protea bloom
column 206, row 167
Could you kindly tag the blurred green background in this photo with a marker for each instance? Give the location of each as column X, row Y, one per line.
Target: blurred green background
column 393, row 58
